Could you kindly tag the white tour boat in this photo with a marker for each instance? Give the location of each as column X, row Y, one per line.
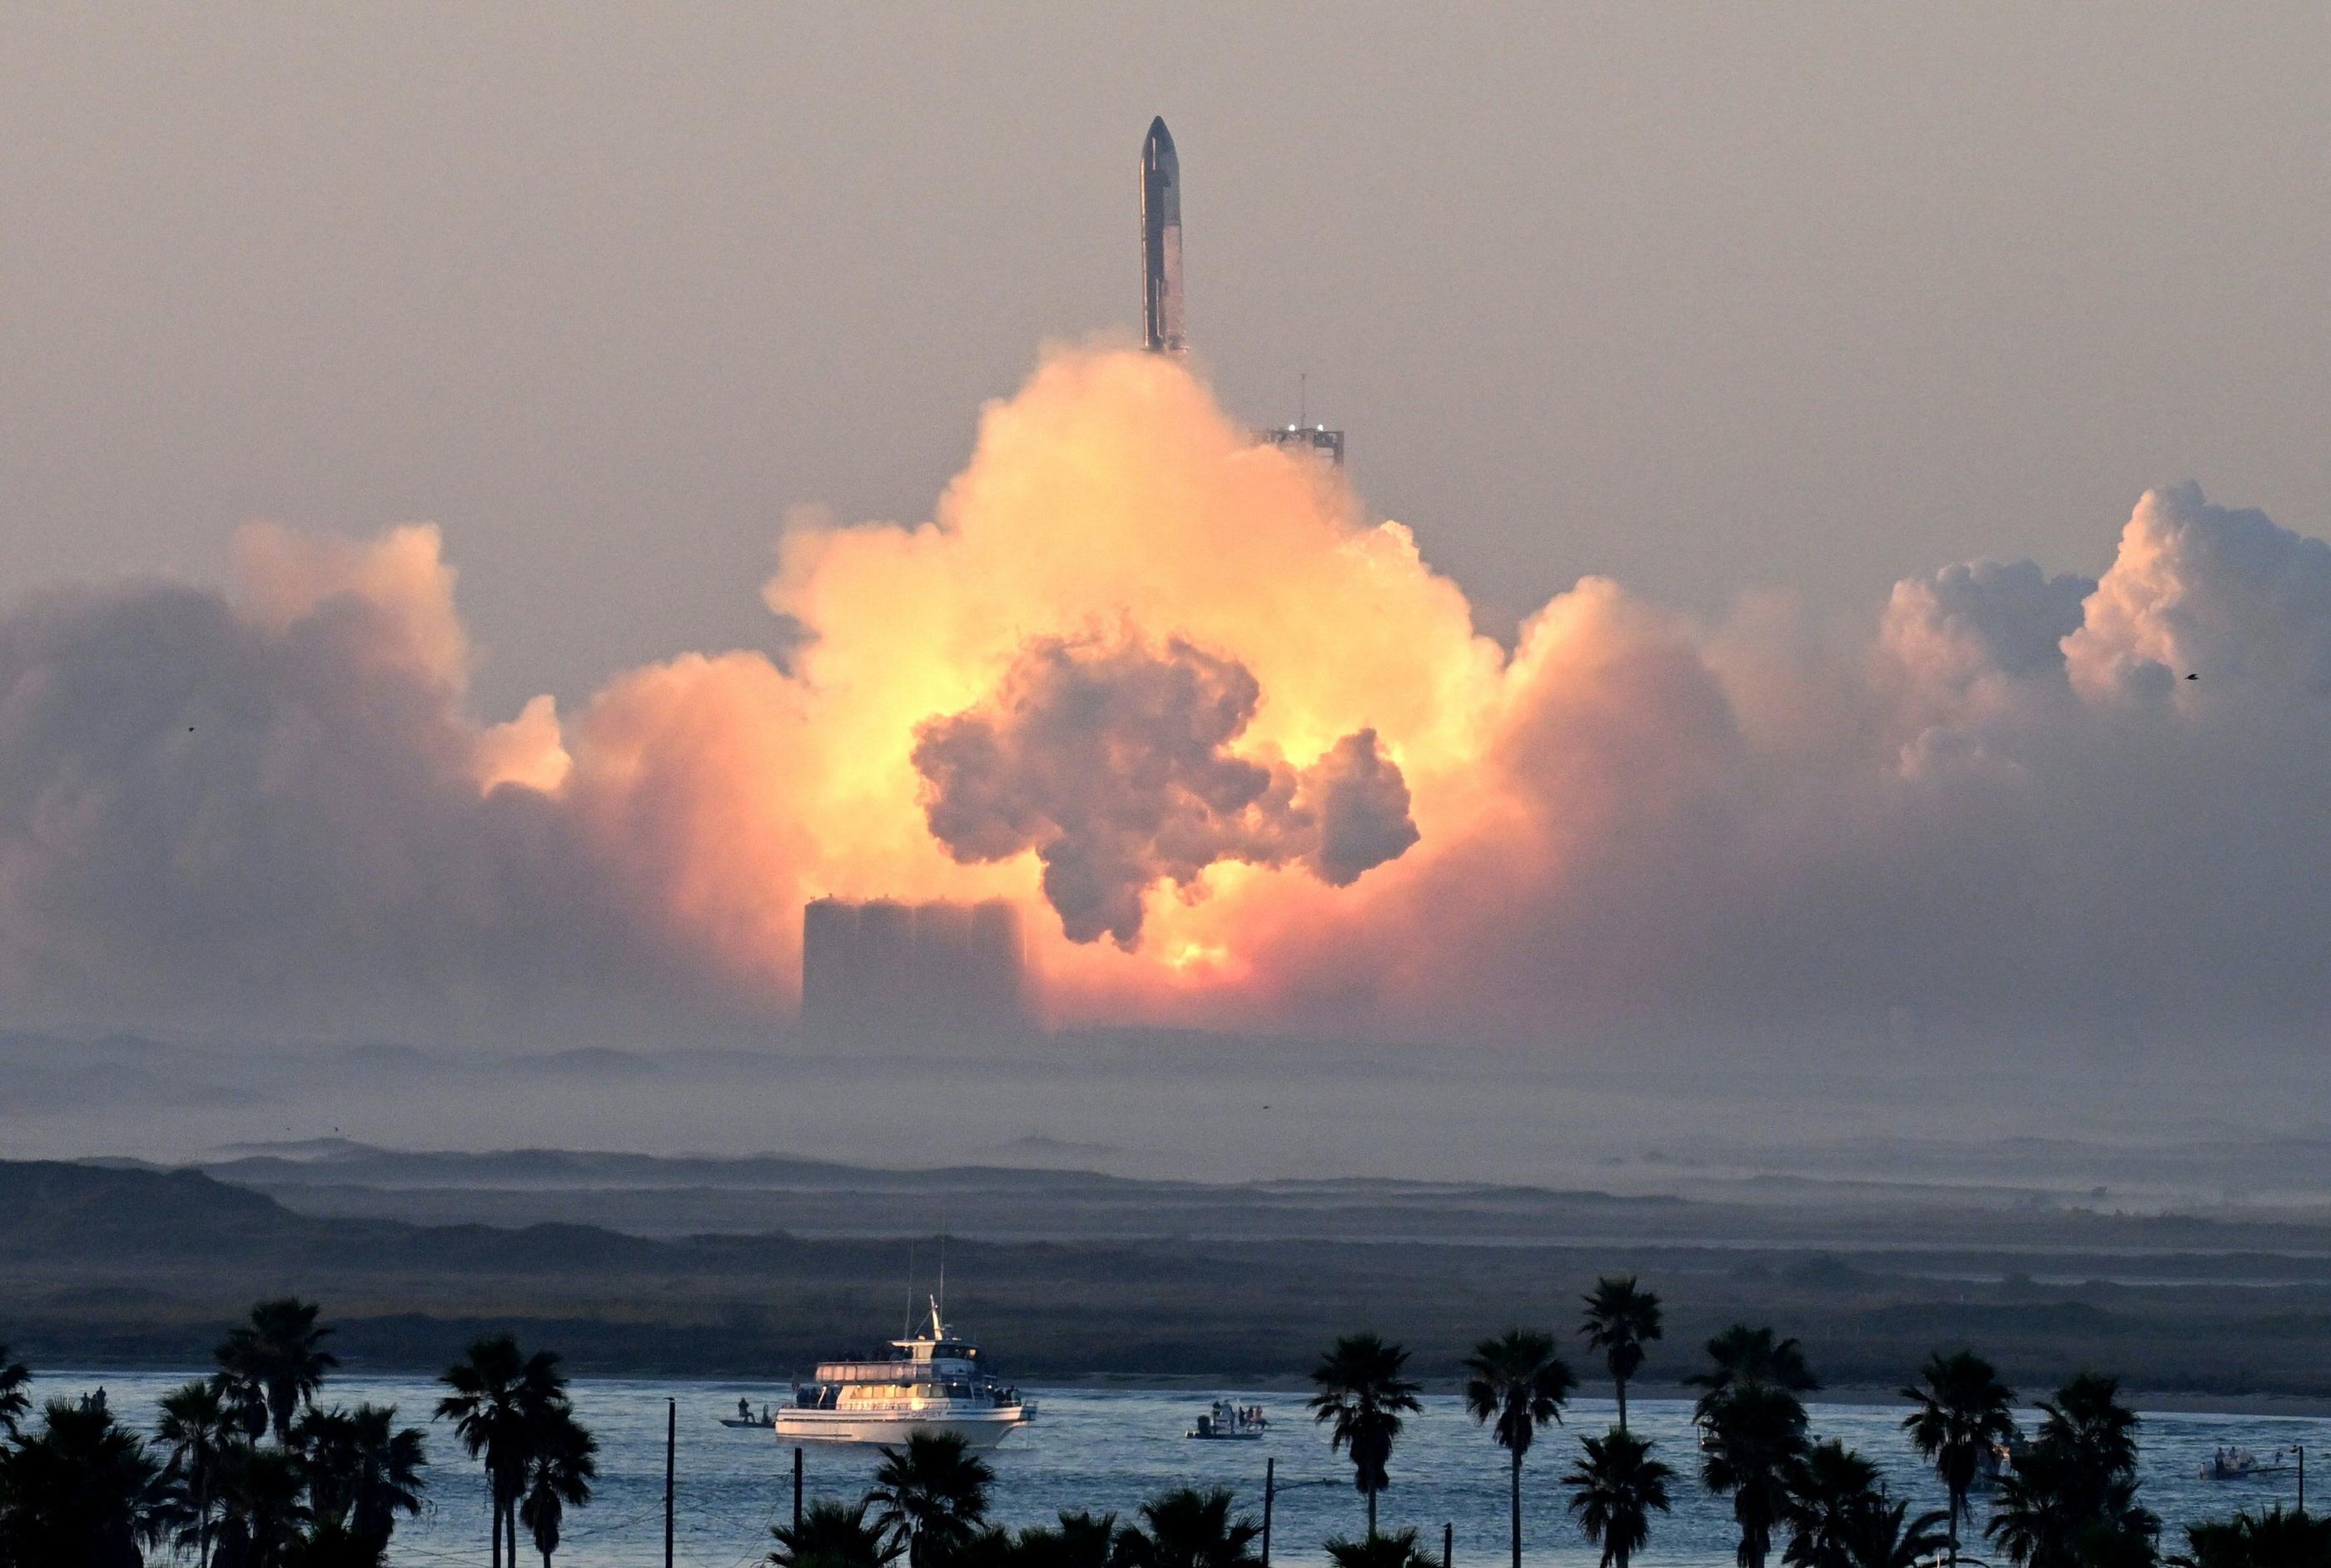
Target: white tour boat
column 936, row 1382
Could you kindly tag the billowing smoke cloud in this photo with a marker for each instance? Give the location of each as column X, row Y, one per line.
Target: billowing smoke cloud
column 1112, row 764
column 2014, row 820
column 1360, row 801
column 272, row 809
column 1289, row 782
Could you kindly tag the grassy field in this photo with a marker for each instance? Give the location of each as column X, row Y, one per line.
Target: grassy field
column 133, row 1268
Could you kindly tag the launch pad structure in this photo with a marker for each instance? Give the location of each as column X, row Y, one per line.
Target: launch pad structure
column 1310, row 440
column 886, row 971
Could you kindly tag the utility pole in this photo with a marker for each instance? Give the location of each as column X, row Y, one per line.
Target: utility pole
column 2302, row 1478
column 670, row 1450
column 797, row 1489
column 1271, row 1486
column 1448, row 1542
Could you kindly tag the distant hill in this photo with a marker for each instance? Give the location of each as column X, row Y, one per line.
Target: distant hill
column 675, row 1196
column 92, row 1215
column 51, row 1209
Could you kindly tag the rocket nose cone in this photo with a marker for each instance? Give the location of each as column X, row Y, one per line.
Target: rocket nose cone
column 1160, row 139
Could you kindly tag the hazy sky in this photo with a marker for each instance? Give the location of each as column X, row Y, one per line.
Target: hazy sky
column 1734, row 305
column 1706, row 297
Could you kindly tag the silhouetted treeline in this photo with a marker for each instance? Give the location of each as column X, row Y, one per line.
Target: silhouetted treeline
column 248, row 1469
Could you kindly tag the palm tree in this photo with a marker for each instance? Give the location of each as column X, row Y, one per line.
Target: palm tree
column 81, row 1490
column 195, row 1429
column 1363, row 1395
column 2273, row 1539
column 1830, row 1489
column 833, row 1534
column 15, row 1376
column 1086, row 1540
column 1964, row 1412
column 932, row 1495
column 263, row 1494
column 1397, row 1550
column 361, row 1471
column 332, row 1544
column 500, row 1396
column 1885, row 1537
column 1518, row 1383
column 388, row 1479
column 1188, row 1528
column 486, row 1410
column 276, row 1360
column 2050, row 1514
column 561, row 1463
column 1614, row 1491
column 2071, row 1497
column 242, row 1400
column 2087, row 1421
column 2037, row 1511
column 1619, row 1321
column 994, row 1546
column 1750, row 1440
column 1080, row 1540
column 1745, row 1357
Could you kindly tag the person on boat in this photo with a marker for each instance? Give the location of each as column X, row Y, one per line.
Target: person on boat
column 744, row 1410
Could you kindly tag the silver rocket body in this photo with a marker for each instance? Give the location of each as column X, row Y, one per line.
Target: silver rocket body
column 1161, row 242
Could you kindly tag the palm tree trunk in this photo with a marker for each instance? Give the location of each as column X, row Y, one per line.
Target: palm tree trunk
column 1517, row 1508
column 1958, row 1506
column 497, row 1530
column 1372, row 1513
column 1622, row 1411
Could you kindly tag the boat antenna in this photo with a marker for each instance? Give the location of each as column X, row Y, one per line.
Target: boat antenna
column 909, row 1329
column 942, row 1279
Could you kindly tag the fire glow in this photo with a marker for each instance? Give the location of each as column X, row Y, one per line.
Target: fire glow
column 1110, row 505
column 1233, row 754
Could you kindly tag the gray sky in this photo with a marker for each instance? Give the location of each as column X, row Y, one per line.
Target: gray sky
column 1708, row 298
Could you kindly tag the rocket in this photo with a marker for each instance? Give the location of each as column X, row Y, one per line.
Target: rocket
column 1161, row 241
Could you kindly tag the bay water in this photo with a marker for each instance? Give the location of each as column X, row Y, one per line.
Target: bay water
column 1104, row 1449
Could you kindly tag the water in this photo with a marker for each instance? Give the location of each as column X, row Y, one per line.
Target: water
column 1106, row 1448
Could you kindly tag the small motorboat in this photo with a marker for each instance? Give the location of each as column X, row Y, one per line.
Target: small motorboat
column 744, row 1419
column 1230, row 1422
column 2240, row 1463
